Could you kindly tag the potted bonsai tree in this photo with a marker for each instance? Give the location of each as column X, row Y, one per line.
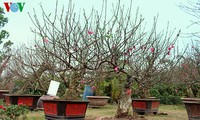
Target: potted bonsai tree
column 189, row 69
column 188, row 74
column 23, row 93
column 44, row 72
column 112, row 47
column 152, row 62
column 5, row 58
column 39, row 78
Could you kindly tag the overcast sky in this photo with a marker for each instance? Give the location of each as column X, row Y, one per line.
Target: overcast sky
column 19, row 23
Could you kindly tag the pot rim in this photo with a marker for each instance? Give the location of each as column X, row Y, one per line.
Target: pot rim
column 98, row 97
column 21, row 95
column 73, row 101
column 145, row 99
column 4, row 90
column 190, row 99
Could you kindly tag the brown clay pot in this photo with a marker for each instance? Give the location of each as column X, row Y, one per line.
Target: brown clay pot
column 192, row 106
column 98, row 101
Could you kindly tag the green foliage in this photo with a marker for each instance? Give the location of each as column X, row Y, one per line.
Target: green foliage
column 101, row 88
column 5, row 52
column 6, row 46
column 115, row 91
column 3, row 34
column 196, row 90
column 168, row 94
column 171, row 94
column 135, row 87
column 12, row 112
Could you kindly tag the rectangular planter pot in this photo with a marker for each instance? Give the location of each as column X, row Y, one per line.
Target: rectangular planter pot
column 145, row 106
column 28, row 100
column 64, row 109
column 3, row 92
column 192, row 106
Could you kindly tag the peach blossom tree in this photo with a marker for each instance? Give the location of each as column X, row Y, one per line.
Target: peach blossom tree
column 188, row 70
column 100, row 44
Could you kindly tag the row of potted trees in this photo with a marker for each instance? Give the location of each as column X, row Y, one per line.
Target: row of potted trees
column 93, row 51
column 64, row 109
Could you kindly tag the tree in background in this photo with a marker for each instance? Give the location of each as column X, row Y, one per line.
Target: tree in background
column 192, row 8
column 5, row 52
column 189, row 68
column 188, row 71
column 29, row 70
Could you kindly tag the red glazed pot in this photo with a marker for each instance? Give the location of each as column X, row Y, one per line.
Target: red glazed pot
column 28, row 100
column 145, row 106
column 64, row 109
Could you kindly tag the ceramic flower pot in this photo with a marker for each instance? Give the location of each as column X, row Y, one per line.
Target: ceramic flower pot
column 64, row 109
column 98, row 101
column 28, row 100
column 192, row 106
column 145, row 106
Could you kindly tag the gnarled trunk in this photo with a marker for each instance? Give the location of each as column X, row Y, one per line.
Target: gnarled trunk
column 124, row 103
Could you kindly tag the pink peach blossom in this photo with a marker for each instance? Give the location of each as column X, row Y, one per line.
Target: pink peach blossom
column 82, row 81
column 46, row 40
column 168, row 53
column 169, row 48
column 116, row 69
column 172, row 46
column 130, row 49
column 128, row 91
column 152, row 49
column 126, row 53
column 90, row 32
column 113, row 46
column 93, row 87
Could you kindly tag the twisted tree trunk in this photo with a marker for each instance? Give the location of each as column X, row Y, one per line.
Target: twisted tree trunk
column 125, row 100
